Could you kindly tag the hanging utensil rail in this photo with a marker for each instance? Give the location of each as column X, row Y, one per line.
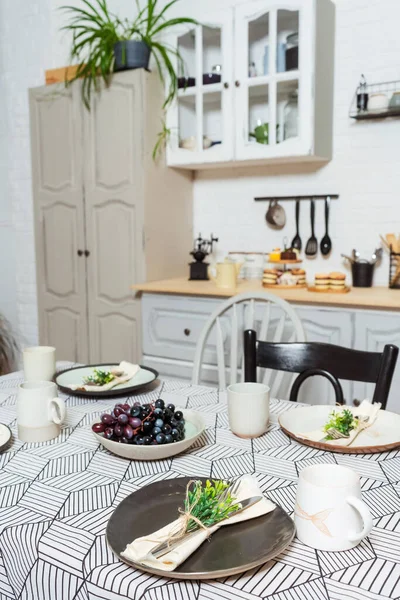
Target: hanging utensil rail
column 283, row 198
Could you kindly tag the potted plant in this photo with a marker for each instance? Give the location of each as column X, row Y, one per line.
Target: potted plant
column 102, row 43
column 8, row 347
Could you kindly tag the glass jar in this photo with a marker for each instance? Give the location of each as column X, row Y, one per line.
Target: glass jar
column 292, row 51
column 291, row 117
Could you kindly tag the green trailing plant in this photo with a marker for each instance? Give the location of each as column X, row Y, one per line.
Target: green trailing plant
column 9, row 349
column 95, row 31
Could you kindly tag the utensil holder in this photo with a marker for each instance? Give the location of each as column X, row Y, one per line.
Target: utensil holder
column 394, row 271
column 363, row 274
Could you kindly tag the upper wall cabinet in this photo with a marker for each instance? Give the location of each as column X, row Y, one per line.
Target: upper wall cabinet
column 258, row 86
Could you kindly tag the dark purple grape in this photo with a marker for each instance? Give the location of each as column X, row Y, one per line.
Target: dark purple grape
column 158, row 423
column 168, row 438
column 123, row 419
column 159, row 403
column 124, row 440
column 135, row 411
column 118, row 411
column 158, row 413
column 107, row 419
column 160, row 439
column 171, row 407
column 108, row 433
column 118, row 430
column 140, row 441
column 98, row 427
column 128, row 432
column 167, row 415
column 130, row 419
column 166, row 428
column 147, row 426
column 173, row 422
column 147, row 406
column 178, row 415
column 147, row 440
column 135, row 422
column 181, row 425
column 175, row 434
column 118, row 405
column 144, row 413
column 114, row 416
column 125, row 406
column 155, row 432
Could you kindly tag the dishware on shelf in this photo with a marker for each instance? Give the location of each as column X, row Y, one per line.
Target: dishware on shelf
column 225, row 274
column 5, row 437
column 39, row 363
column 76, row 376
column 248, row 409
column 40, row 412
column 382, row 436
column 261, row 133
column 154, row 506
column 377, row 102
column 296, row 242
column 326, row 242
column 291, row 117
column 213, row 77
column 254, row 263
column 190, row 143
column 329, row 512
column 312, row 244
column 292, row 52
column 276, row 216
column 395, row 100
column 194, row 427
column 363, row 273
column 252, row 70
column 186, row 82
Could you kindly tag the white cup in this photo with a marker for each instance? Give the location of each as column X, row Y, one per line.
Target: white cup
column 39, row 411
column 39, row 363
column 248, row 409
column 329, row 512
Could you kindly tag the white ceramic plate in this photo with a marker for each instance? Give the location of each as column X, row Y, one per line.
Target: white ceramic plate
column 194, row 427
column 382, row 436
column 5, row 436
column 76, row 375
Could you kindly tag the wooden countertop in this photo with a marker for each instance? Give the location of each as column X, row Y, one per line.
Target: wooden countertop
column 376, row 297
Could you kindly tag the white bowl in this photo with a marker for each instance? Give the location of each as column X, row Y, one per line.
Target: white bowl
column 194, row 427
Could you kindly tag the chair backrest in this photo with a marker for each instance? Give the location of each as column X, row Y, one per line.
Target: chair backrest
column 342, row 363
column 245, row 311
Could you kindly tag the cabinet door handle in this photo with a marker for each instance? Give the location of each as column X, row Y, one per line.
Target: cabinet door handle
column 356, row 402
column 87, row 253
column 226, row 85
column 237, row 83
column 80, row 253
column 187, row 332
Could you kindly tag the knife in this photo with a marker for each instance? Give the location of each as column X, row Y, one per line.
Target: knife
column 165, row 547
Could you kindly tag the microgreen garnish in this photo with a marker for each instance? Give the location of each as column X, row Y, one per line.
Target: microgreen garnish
column 99, row 378
column 343, row 421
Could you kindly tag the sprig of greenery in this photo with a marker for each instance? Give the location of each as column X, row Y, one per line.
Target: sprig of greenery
column 343, row 421
column 209, row 504
column 99, row 378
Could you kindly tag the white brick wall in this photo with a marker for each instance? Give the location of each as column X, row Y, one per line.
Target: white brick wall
column 365, row 169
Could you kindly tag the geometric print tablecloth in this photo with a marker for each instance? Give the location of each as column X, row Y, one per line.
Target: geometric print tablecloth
column 56, row 498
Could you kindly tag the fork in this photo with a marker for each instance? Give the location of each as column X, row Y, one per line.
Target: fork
column 337, row 435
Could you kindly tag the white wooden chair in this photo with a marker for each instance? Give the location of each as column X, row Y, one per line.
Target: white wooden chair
column 271, row 317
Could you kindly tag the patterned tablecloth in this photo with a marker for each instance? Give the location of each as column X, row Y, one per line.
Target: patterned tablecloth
column 56, row 498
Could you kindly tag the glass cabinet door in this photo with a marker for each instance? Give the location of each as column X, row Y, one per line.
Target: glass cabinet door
column 272, row 78
column 201, row 120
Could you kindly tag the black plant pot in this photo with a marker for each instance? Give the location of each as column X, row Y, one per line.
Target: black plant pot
column 131, row 54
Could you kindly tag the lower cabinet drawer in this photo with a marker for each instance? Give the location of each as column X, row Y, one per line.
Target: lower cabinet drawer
column 172, row 326
column 179, row 369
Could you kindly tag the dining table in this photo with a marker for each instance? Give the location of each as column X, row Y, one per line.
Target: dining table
column 56, row 498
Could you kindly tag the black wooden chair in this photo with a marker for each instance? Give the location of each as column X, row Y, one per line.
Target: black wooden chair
column 332, row 362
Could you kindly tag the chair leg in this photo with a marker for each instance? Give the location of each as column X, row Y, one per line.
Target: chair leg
column 250, row 355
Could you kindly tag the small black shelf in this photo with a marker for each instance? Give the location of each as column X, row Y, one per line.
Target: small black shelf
column 378, row 114
column 388, row 88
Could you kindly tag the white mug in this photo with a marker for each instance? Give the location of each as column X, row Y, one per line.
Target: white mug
column 248, row 409
column 39, row 363
column 329, row 512
column 39, row 411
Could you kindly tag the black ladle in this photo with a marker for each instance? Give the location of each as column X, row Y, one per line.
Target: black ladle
column 312, row 244
column 296, row 242
column 326, row 242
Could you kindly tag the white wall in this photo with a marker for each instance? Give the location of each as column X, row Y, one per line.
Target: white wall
column 365, row 169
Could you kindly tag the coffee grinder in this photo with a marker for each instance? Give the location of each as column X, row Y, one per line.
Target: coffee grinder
column 202, row 248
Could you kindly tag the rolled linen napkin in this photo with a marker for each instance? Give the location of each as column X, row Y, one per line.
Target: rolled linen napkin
column 140, row 550
column 128, row 371
column 366, row 409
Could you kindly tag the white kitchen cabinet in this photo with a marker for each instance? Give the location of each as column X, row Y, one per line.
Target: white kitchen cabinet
column 373, row 330
column 277, row 62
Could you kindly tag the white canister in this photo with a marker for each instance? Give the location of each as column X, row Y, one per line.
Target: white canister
column 254, row 265
column 39, row 363
column 248, row 409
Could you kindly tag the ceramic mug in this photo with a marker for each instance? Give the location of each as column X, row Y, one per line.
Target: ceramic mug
column 248, row 409
column 39, row 411
column 226, row 274
column 39, row 363
column 329, row 512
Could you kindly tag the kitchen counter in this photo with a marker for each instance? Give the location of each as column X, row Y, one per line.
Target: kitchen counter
column 376, row 297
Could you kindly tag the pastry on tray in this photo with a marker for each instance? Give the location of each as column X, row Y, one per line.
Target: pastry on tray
column 275, row 255
column 300, row 274
column 270, row 276
column 337, row 281
column 288, row 254
column 287, row 278
column 322, row 281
